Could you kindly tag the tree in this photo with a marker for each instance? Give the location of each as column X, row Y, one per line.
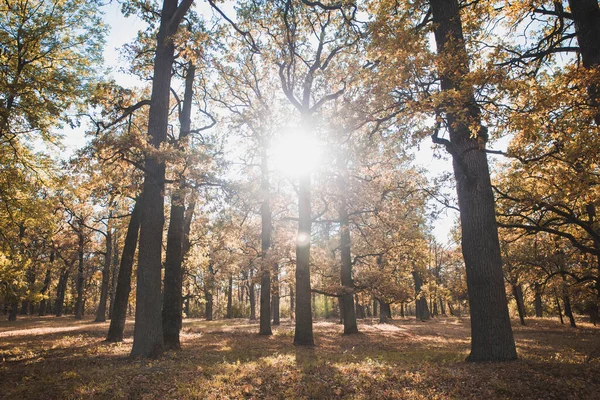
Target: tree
column 148, row 333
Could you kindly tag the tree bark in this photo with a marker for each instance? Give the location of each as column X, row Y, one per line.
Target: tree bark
column 275, row 296
column 350, row 325
column 229, row 313
column 148, row 333
column 47, row 281
column 80, row 277
column 101, row 312
column 518, row 293
column 539, row 311
column 113, row 274
column 491, row 333
column 252, row 296
column 304, row 329
column 421, row 309
column 61, row 289
column 385, row 312
column 173, row 290
column 266, row 228
column 586, row 15
column 119, row 310
column 558, row 308
column 567, row 303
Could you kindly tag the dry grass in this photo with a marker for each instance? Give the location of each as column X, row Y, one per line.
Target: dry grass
column 60, row 358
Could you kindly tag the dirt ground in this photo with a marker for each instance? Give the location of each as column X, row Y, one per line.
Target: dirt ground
column 60, row 358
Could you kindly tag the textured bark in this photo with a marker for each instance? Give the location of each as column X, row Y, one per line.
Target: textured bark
column 304, row 328
column 385, row 312
column 101, row 312
column 586, row 15
column 252, row 297
column 491, row 333
column 275, row 297
column 229, row 312
column 119, row 310
column 518, row 293
column 47, row 281
column 292, row 303
column 539, row 311
column 421, row 309
column 148, row 333
column 173, row 291
column 347, row 304
column 80, row 277
column 113, row 274
column 209, row 305
column 567, row 303
column 265, row 238
column 375, row 312
column 14, row 310
column 60, row 292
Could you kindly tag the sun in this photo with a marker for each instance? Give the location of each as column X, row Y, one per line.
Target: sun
column 297, row 154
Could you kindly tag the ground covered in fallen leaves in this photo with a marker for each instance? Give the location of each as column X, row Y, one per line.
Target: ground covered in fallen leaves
column 60, row 358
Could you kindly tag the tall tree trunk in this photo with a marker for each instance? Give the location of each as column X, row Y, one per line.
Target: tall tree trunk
column 266, row 227
column 173, row 290
column 14, row 310
column 421, row 309
column 292, row 303
column 101, row 312
column 347, row 303
column 119, row 311
column 229, row 313
column 252, row 296
column 113, row 274
column 558, row 308
column 80, row 277
column 518, row 293
column 209, row 305
column 385, row 312
column 375, row 302
column 567, row 303
column 491, row 333
column 148, row 333
column 46, row 287
column 275, row 296
column 586, row 15
column 61, row 289
column 538, row 300
column 304, row 330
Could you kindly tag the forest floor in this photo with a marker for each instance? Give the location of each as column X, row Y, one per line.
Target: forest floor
column 60, row 358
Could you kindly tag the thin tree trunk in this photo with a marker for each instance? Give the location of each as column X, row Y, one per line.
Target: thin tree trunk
column 275, row 296
column 60, row 292
column 350, row 325
column 567, row 303
column 101, row 312
column 491, row 333
column 229, row 314
column 47, row 281
column 266, row 233
column 119, row 311
column 538, row 300
column 518, row 293
column 148, row 333
column 252, row 296
column 292, row 303
column 558, row 308
column 80, row 277
column 375, row 302
column 421, row 309
column 113, row 275
column 304, row 329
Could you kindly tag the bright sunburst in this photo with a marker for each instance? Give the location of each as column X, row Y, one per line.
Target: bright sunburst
column 297, row 154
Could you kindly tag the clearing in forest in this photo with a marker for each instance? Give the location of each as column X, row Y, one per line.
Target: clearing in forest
column 60, row 358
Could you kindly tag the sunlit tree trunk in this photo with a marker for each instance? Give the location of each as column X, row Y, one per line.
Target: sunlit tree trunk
column 266, row 227
column 119, row 310
column 114, row 274
column 173, row 291
column 347, row 303
column 491, row 333
column 61, row 289
column 275, row 296
column 229, row 312
column 148, row 333
column 46, row 287
column 101, row 312
column 80, row 277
